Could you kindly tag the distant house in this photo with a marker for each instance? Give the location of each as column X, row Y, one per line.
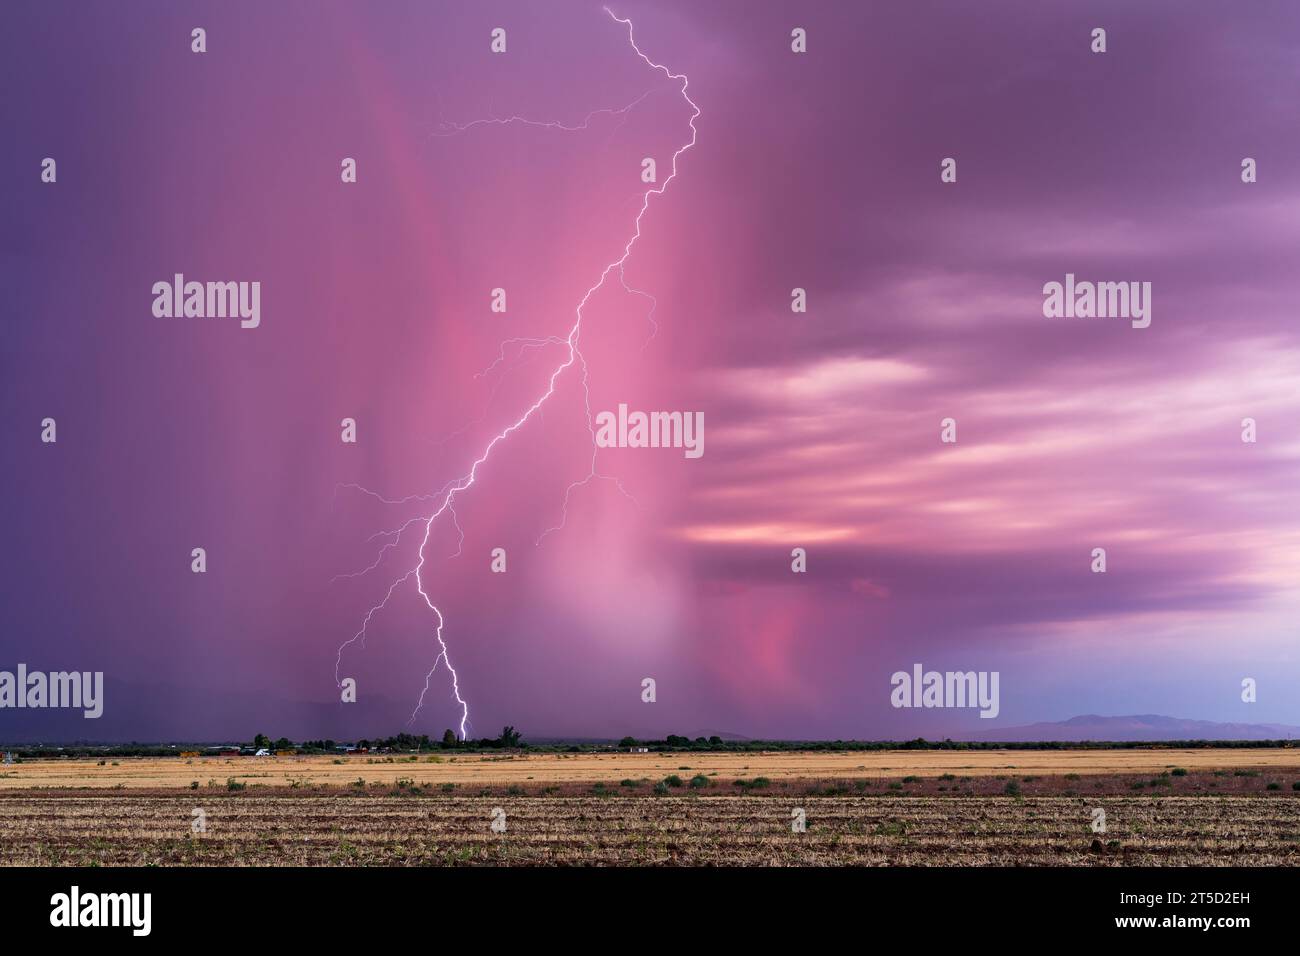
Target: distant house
column 638, row 750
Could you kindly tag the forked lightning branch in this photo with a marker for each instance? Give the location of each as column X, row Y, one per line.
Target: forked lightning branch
column 573, row 359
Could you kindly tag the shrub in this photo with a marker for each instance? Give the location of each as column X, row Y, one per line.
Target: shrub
column 1274, row 786
column 1179, row 772
column 1012, row 789
column 661, row 787
column 673, row 780
column 699, row 781
column 628, row 783
column 233, row 784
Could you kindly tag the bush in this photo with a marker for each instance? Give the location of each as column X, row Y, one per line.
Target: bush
column 1012, row 789
column 628, row 783
column 661, row 787
column 699, row 781
column 673, row 780
column 1274, row 786
column 1179, row 772
column 233, row 784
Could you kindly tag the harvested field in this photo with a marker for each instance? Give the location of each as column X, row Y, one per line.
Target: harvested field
column 127, row 828
column 1162, row 807
column 560, row 768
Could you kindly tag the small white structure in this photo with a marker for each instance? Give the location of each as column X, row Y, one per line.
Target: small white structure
column 262, row 753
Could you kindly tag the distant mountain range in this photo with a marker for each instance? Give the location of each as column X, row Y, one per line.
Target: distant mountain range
column 1139, row 727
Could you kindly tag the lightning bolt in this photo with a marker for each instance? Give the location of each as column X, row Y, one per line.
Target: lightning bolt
column 571, row 343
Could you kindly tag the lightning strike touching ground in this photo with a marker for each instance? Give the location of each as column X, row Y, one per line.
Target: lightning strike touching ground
column 574, row 356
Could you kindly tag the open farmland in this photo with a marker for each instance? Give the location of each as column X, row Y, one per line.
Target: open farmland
column 1162, row 807
column 560, row 768
column 364, row 829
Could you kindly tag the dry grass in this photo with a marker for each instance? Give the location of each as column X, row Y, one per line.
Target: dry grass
column 490, row 769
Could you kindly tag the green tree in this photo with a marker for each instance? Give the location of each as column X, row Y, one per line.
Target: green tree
column 262, row 742
column 627, row 742
column 448, row 738
column 509, row 737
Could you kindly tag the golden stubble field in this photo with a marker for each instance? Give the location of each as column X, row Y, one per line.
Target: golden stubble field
column 1160, row 807
column 528, row 768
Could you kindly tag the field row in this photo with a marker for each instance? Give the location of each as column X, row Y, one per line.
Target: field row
column 439, row 830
